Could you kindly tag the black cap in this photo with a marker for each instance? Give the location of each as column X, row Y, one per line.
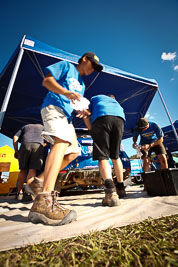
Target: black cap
column 141, row 124
column 94, row 59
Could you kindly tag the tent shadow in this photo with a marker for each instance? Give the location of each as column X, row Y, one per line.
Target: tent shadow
column 15, row 218
column 136, row 194
column 79, row 192
column 76, row 199
column 93, row 205
column 15, row 208
column 9, row 201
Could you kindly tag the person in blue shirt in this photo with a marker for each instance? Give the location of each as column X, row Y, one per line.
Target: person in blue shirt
column 106, row 125
column 151, row 140
column 65, row 84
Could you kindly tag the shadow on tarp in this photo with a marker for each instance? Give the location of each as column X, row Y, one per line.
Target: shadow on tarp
column 14, row 208
column 16, row 218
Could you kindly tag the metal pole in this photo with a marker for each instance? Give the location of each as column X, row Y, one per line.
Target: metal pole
column 174, row 130
column 10, row 86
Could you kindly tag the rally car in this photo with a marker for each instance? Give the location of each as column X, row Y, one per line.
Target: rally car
column 83, row 172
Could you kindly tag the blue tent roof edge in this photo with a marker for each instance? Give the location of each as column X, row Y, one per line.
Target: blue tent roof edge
column 169, row 127
column 32, row 44
column 170, row 140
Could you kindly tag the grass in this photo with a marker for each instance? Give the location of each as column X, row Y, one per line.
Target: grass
column 150, row 243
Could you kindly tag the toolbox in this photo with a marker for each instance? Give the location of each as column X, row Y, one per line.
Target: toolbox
column 161, row 182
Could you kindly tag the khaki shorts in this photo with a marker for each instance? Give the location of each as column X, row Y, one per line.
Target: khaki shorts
column 56, row 125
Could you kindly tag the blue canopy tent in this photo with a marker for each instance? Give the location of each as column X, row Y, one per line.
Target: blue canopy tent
column 21, row 92
column 169, row 137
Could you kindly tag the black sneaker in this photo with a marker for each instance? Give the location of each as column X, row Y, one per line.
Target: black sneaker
column 120, row 189
column 26, row 198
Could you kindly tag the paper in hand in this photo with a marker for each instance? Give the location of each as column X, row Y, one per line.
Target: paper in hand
column 80, row 105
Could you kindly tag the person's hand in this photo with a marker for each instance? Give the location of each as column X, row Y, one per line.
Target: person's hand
column 145, row 147
column 83, row 114
column 134, row 145
column 16, row 154
column 73, row 95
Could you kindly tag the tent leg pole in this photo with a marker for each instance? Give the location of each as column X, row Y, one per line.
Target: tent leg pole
column 174, row 130
column 10, row 86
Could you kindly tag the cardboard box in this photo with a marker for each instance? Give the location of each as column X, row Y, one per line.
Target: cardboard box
column 161, row 182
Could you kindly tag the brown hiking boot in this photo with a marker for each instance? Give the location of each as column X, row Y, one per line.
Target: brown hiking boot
column 47, row 210
column 34, row 187
column 111, row 198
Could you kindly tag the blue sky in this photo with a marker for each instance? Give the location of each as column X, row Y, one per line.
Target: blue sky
column 137, row 36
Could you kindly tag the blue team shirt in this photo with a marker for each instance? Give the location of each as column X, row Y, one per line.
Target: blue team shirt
column 152, row 134
column 67, row 76
column 102, row 105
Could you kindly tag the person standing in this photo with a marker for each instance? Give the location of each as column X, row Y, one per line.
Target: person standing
column 170, row 160
column 65, row 84
column 151, row 140
column 30, row 154
column 106, row 125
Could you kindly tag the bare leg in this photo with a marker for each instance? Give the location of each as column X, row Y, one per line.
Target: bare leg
column 111, row 197
column 105, row 169
column 53, row 164
column 31, row 175
column 118, row 168
column 146, row 164
column 21, row 179
column 163, row 161
column 67, row 159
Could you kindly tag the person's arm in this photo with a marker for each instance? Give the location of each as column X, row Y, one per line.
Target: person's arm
column 148, row 146
column 134, row 142
column 83, row 114
column 159, row 133
column 88, row 123
column 157, row 142
column 51, row 84
column 15, row 144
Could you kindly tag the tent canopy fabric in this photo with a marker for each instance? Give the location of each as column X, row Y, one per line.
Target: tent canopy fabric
column 169, row 137
column 133, row 92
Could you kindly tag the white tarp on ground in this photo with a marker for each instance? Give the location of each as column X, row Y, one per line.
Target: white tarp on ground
column 16, row 231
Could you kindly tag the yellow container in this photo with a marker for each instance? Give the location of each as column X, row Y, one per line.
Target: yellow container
column 10, row 166
column 5, row 187
column 7, row 156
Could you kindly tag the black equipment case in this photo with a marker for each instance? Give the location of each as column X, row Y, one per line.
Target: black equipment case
column 161, row 182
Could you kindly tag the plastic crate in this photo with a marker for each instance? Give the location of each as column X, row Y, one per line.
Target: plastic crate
column 161, row 182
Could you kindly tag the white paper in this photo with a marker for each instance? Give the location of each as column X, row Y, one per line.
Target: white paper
column 80, row 105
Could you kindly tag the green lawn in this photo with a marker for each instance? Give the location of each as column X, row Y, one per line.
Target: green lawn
column 150, row 243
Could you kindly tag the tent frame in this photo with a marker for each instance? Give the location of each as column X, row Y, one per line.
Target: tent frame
column 169, row 117
column 11, row 83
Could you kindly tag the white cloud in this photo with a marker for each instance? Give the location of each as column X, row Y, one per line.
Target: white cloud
column 168, row 56
column 176, row 68
column 149, row 116
column 172, row 79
